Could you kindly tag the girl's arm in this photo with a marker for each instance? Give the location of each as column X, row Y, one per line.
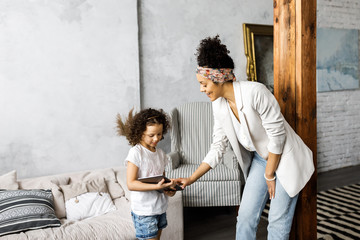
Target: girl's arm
column 134, row 185
column 170, row 193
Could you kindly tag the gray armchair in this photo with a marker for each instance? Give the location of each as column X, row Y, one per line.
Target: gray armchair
column 191, row 137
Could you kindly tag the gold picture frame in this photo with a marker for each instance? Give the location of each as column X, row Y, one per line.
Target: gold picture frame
column 258, row 44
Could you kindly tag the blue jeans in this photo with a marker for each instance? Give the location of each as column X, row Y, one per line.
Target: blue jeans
column 253, row 201
column 147, row 227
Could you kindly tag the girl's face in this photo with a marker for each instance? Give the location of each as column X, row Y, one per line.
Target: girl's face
column 212, row 90
column 151, row 136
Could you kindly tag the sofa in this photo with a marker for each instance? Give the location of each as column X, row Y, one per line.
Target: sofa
column 67, row 190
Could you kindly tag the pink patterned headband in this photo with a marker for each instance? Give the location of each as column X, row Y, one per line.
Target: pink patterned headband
column 218, row 75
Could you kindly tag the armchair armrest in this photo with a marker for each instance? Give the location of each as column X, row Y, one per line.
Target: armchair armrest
column 175, row 218
column 174, row 160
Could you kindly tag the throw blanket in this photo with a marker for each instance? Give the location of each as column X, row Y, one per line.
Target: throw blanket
column 109, row 226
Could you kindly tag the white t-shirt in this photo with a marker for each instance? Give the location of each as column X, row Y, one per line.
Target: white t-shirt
column 150, row 164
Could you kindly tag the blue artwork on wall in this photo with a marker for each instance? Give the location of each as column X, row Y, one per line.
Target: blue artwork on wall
column 337, row 63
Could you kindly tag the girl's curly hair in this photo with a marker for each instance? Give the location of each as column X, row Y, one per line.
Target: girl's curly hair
column 135, row 125
column 212, row 54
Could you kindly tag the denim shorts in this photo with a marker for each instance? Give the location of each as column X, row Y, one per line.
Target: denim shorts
column 147, row 227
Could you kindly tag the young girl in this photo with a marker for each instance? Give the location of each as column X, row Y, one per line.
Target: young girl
column 148, row 201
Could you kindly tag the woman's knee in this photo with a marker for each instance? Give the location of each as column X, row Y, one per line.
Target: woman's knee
column 248, row 215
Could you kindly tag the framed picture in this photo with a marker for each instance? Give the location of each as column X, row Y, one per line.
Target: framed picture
column 258, row 43
column 337, row 59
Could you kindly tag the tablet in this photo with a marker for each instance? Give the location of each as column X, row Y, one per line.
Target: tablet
column 158, row 178
column 154, row 179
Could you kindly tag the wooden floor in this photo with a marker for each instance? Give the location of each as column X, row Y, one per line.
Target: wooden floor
column 219, row 223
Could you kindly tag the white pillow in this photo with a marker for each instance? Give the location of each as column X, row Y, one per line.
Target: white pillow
column 88, row 205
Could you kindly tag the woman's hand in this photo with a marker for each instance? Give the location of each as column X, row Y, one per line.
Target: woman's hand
column 183, row 182
column 271, row 186
column 271, row 166
column 201, row 170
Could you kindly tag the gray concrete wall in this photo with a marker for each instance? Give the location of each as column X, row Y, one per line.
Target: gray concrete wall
column 170, row 32
column 66, row 68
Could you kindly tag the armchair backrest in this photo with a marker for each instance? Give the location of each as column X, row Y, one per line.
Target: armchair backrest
column 191, row 132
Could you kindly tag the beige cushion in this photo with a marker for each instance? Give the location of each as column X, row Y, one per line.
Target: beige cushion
column 76, row 189
column 49, row 182
column 8, row 181
column 114, row 188
column 120, row 173
column 97, row 185
column 107, row 174
column 73, row 190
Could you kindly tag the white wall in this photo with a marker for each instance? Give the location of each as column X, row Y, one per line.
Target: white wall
column 170, row 33
column 338, row 113
column 66, row 68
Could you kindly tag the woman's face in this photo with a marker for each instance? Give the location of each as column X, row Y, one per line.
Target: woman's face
column 212, row 90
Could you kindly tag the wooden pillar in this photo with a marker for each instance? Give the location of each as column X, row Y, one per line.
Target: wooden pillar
column 295, row 90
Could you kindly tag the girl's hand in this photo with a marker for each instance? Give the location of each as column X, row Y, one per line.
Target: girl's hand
column 183, row 182
column 271, row 188
column 162, row 184
column 169, row 193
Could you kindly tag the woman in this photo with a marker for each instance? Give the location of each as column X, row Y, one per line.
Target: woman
column 275, row 162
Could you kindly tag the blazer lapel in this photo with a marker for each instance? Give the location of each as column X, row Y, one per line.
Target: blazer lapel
column 230, row 132
column 239, row 104
column 238, row 97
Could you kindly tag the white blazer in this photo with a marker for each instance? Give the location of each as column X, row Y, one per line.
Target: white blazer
column 265, row 126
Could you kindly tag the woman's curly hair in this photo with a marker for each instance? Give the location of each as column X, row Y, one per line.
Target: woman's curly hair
column 135, row 124
column 212, row 53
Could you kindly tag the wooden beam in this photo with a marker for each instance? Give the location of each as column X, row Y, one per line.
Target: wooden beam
column 295, row 90
column 284, row 58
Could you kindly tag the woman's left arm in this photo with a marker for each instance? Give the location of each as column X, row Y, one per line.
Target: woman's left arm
column 273, row 122
column 271, row 166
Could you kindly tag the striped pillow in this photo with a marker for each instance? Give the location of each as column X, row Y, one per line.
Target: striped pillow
column 22, row 210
